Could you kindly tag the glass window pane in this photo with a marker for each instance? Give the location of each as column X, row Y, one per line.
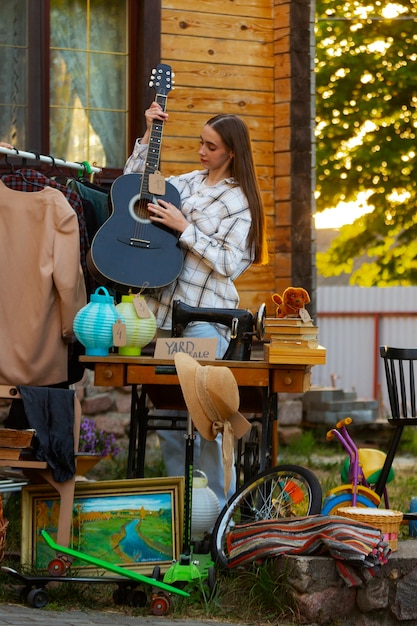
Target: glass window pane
column 13, row 61
column 112, row 137
column 13, row 28
column 107, row 89
column 13, row 125
column 67, row 79
column 89, row 80
column 79, row 136
column 110, row 19
column 69, row 24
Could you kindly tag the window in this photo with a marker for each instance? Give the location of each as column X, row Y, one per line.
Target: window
column 88, row 73
column 76, row 76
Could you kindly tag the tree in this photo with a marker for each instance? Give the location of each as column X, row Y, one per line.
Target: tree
column 366, row 85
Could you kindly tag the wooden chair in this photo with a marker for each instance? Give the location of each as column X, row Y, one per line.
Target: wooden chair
column 400, row 366
column 38, row 471
column 400, row 372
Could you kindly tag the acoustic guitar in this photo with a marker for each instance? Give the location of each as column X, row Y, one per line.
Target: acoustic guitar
column 129, row 252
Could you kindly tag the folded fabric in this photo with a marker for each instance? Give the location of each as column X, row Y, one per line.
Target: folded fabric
column 346, row 540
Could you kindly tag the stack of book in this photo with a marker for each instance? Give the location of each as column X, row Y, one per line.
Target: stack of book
column 293, row 341
column 15, row 443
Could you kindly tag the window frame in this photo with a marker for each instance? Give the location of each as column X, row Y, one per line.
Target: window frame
column 144, row 49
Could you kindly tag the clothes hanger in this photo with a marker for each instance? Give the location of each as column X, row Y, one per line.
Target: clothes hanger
column 11, row 166
column 54, row 167
column 20, row 173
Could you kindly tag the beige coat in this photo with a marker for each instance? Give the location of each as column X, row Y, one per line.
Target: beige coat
column 41, row 282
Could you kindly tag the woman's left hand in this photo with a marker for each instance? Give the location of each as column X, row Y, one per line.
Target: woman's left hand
column 167, row 214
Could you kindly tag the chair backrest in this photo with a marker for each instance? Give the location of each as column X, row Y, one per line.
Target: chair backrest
column 401, row 384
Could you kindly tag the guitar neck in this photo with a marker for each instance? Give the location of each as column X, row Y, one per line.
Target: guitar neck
column 153, row 154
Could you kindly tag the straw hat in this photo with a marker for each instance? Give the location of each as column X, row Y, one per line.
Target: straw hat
column 211, row 395
column 212, row 398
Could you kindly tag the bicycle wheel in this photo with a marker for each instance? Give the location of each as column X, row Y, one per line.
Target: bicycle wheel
column 279, row 492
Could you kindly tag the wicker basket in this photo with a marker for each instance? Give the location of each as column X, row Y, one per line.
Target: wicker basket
column 386, row 520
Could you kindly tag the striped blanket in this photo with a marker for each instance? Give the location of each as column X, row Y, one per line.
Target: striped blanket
column 346, row 540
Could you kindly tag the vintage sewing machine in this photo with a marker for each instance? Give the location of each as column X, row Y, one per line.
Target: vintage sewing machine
column 243, row 326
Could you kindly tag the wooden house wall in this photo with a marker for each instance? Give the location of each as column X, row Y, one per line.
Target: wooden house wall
column 235, row 57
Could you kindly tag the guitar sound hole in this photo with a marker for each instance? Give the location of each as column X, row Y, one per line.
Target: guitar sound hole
column 138, row 208
column 141, row 210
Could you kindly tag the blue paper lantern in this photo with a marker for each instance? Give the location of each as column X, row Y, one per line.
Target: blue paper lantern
column 93, row 324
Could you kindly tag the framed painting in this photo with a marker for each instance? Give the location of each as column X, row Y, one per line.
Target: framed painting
column 133, row 523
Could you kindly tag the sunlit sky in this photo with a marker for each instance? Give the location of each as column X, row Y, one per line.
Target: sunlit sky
column 345, row 213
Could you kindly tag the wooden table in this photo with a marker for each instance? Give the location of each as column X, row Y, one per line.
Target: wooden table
column 259, row 383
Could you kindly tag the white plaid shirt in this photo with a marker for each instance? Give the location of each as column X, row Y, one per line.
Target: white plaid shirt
column 214, row 244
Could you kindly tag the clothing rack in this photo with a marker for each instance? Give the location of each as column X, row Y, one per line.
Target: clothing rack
column 84, row 166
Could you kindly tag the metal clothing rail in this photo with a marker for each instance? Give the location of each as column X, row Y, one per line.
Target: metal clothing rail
column 85, row 166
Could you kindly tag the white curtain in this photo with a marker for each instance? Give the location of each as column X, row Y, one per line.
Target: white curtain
column 88, row 80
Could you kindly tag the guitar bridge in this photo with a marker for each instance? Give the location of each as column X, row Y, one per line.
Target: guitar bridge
column 140, row 243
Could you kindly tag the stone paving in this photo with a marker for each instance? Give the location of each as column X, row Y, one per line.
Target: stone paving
column 19, row 615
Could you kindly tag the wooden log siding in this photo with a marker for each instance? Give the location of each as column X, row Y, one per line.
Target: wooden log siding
column 234, row 56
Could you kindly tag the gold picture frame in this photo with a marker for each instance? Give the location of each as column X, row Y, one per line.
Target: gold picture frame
column 134, row 523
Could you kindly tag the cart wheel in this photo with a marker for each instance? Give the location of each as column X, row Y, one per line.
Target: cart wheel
column 136, row 598
column 58, row 567
column 38, row 598
column 160, row 605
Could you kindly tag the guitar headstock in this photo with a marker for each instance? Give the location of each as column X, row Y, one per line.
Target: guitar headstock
column 162, row 79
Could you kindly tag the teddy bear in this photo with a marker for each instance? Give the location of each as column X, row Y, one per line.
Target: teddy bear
column 292, row 300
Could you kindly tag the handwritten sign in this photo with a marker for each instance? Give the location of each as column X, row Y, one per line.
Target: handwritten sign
column 198, row 348
column 119, row 334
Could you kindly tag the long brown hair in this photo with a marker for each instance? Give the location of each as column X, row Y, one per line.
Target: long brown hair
column 235, row 135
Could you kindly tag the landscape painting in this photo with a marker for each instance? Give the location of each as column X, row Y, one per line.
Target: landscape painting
column 135, row 523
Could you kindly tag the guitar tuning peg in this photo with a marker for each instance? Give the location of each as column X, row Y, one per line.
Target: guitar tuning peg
column 153, row 72
column 150, row 83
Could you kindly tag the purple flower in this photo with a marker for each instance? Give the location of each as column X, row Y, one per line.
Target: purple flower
column 95, row 441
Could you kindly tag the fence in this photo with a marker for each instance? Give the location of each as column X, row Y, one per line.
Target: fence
column 353, row 322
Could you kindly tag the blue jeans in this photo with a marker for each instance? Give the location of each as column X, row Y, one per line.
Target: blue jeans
column 207, row 454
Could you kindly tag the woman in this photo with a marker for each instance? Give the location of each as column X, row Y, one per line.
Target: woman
column 221, row 232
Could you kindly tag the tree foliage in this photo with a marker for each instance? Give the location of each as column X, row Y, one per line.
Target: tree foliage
column 366, row 85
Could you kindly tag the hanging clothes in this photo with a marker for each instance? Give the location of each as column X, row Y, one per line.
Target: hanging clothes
column 98, row 197
column 31, row 180
column 42, row 283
